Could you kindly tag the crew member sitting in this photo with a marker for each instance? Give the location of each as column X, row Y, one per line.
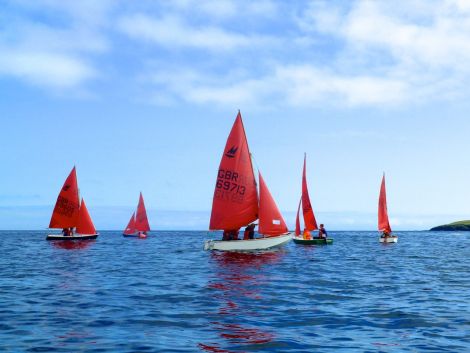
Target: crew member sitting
column 249, row 232
column 322, row 232
column 307, row 235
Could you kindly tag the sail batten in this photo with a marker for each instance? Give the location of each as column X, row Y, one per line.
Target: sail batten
column 383, row 221
column 66, row 209
column 235, row 200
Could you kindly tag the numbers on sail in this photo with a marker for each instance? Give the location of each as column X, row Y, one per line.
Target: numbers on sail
column 230, row 186
column 65, row 207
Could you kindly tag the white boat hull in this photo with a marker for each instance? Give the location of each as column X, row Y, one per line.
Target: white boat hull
column 71, row 237
column 391, row 239
column 248, row 245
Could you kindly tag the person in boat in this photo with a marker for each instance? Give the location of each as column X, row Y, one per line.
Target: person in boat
column 66, row 232
column 307, row 235
column 249, row 232
column 385, row 234
column 231, row 234
column 322, row 232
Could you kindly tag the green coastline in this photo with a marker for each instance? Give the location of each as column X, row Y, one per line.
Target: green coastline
column 455, row 226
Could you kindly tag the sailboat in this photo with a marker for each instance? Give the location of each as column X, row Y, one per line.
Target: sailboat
column 70, row 213
column 138, row 225
column 236, row 203
column 384, row 224
column 309, row 217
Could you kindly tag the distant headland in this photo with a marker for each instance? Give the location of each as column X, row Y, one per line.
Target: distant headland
column 456, row 226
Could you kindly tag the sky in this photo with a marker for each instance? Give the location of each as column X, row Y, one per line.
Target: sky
column 141, row 96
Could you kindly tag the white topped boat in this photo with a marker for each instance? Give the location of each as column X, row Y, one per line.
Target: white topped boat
column 236, row 203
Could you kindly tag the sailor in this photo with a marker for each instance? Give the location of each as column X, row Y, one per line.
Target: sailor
column 307, row 235
column 322, row 232
column 249, row 232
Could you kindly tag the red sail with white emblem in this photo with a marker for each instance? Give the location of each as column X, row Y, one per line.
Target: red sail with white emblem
column 271, row 222
column 235, row 201
column 130, row 229
column 384, row 224
column 65, row 214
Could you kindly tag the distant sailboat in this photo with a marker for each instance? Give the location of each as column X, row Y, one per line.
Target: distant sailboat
column 138, row 225
column 70, row 213
column 384, row 224
column 309, row 217
column 235, row 203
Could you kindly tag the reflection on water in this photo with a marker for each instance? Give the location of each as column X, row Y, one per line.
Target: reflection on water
column 236, row 279
column 71, row 244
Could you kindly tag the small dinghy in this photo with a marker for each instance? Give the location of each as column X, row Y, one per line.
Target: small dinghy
column 310, row 223
column 384, row 224
column 69, row 214
column 236, row 203
column 313, row 241
column 138, row 225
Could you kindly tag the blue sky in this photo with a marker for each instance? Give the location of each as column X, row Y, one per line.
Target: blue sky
column 140, row 96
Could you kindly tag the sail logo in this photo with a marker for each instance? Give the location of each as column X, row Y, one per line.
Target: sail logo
column 66, row 187
column 231, row 152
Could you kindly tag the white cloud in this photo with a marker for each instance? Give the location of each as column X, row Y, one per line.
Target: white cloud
column 53, row 54
column 173, row 32
column 45, row 68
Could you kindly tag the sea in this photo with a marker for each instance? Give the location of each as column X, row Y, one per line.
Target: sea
column 166, row 294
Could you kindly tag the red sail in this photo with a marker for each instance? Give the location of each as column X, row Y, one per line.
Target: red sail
column 297, row 220
column 309, row 217
column 235, row 202
column 65, row 214
column 384, row 225
column 130, row 229
column 141, row 221
column 85, row 224
column 271, row 222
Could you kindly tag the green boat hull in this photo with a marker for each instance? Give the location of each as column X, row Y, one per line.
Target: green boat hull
column 315, row 241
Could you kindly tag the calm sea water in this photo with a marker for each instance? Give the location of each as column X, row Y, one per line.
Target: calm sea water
column 165, row 294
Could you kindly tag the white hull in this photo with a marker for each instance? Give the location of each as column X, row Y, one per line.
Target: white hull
column 391, row 239
column 248, row 245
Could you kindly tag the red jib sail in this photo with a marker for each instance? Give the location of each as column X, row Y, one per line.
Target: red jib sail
column 65, row 214
column 130, row 229
column 384, row 225
column 271, row 222
column 235, row 202
column 85, row 224
column 297, row 220
column 309, row 217
column 141, row 221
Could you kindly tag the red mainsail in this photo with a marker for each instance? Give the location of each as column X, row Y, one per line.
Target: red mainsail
column 65, row 214
column 235, row 202
column 384, row 225
column 130, row 229
column 309, row 217
column 85, row 224
column 141, row 221
column 297, row 220
column 271, row 222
